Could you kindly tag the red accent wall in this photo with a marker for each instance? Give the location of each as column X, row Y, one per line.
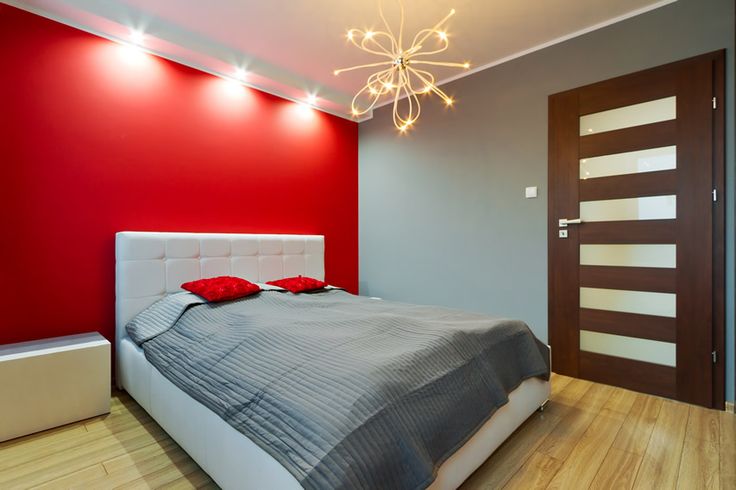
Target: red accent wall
column 97, row 138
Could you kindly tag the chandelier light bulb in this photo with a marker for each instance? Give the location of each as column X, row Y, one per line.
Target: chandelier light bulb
column 400, row 69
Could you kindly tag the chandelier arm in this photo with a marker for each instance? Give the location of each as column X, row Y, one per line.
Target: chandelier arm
column 416, row 44
column 375, row 101
column 405, row 88
column 401, row 28
column 354, row 106
column 396, row 117
column 362, row 34
column 445, row 45
column 358, row 67
column 441, row 94
column 383, row 51
column 368, row 86
column 412, row 94
column 427, row 84
column 352, row 36
column 433, row 87
column 412, row 51
column 388, row 26
column 435, row 28
column 425, row 77
column 386, row 80
column 373, row 38
column 439, row 63
column 382, row 78
column 424, row 73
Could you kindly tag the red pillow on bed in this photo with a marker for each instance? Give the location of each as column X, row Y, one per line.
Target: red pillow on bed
column 221, row 288
column 298, row 284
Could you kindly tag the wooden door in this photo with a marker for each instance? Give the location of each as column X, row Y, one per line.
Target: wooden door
column 636, row 231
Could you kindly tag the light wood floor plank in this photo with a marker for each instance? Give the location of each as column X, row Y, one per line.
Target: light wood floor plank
column 80, row 477
column 197, row 479
column 163, row 476
column 727, row 459
column 145, row 464
column 59, row 464
column 581, row 466
column 661, row 463
column 39, row 446
column 700, row 455
column 133, row 458
column 703, row 424
column 617, row 471
column 536, row 473
column 561, row 441
column 46, row 437
column 512, row 454
column 637, row 429
column 558, row 383
column 590, row 436
column 699, row 466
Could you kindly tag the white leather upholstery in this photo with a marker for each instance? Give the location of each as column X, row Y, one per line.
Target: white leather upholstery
column 150, row 265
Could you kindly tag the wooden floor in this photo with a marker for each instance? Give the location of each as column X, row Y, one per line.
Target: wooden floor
column 590, row 436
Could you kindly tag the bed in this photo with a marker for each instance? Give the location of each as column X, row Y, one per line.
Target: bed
column 151, row 265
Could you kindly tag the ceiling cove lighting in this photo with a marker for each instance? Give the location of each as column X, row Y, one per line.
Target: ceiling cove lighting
column 400, row 77
column 240, row 74
column 136, row 37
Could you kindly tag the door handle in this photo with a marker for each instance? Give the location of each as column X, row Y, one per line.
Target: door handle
column 564, row 222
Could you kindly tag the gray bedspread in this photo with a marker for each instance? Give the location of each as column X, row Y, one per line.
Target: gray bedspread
column 344, row 391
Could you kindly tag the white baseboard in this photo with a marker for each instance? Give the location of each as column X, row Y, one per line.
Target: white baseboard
column 730, row 407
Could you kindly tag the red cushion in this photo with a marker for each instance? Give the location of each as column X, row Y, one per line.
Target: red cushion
column 299, row 284
column 221, row 288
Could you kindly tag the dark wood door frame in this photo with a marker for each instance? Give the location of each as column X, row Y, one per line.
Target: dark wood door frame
column 561, row 262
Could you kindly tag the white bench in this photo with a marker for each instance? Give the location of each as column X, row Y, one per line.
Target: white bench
column 52, row 382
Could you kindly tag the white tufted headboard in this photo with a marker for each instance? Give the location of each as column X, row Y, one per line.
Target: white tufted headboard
column 149, row 265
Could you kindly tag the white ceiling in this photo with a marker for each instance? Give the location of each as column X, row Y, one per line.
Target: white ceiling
column 291, row 47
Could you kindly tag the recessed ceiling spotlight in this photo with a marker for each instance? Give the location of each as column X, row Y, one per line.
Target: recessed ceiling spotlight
column 311, row 99
column 136, row 36
column 240, row 74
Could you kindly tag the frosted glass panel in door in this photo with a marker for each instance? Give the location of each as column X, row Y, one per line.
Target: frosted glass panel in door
column 641, row 302
column 637, row 208
column 629, row 255
column 632, row 115
column 629, row 347
column 632, row 162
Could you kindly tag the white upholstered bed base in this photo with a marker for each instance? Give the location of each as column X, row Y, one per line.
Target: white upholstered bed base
column 150, row 265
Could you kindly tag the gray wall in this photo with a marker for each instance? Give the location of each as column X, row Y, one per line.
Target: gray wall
column 443, row 218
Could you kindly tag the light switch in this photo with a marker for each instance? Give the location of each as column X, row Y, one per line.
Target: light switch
column 531, row 192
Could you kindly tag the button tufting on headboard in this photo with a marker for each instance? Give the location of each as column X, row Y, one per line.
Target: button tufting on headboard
column 150, row 265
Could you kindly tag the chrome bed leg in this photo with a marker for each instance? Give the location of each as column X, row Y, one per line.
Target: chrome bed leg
column 543, row 405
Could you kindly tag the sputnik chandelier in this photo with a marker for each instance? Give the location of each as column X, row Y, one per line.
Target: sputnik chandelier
column 400, row 76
